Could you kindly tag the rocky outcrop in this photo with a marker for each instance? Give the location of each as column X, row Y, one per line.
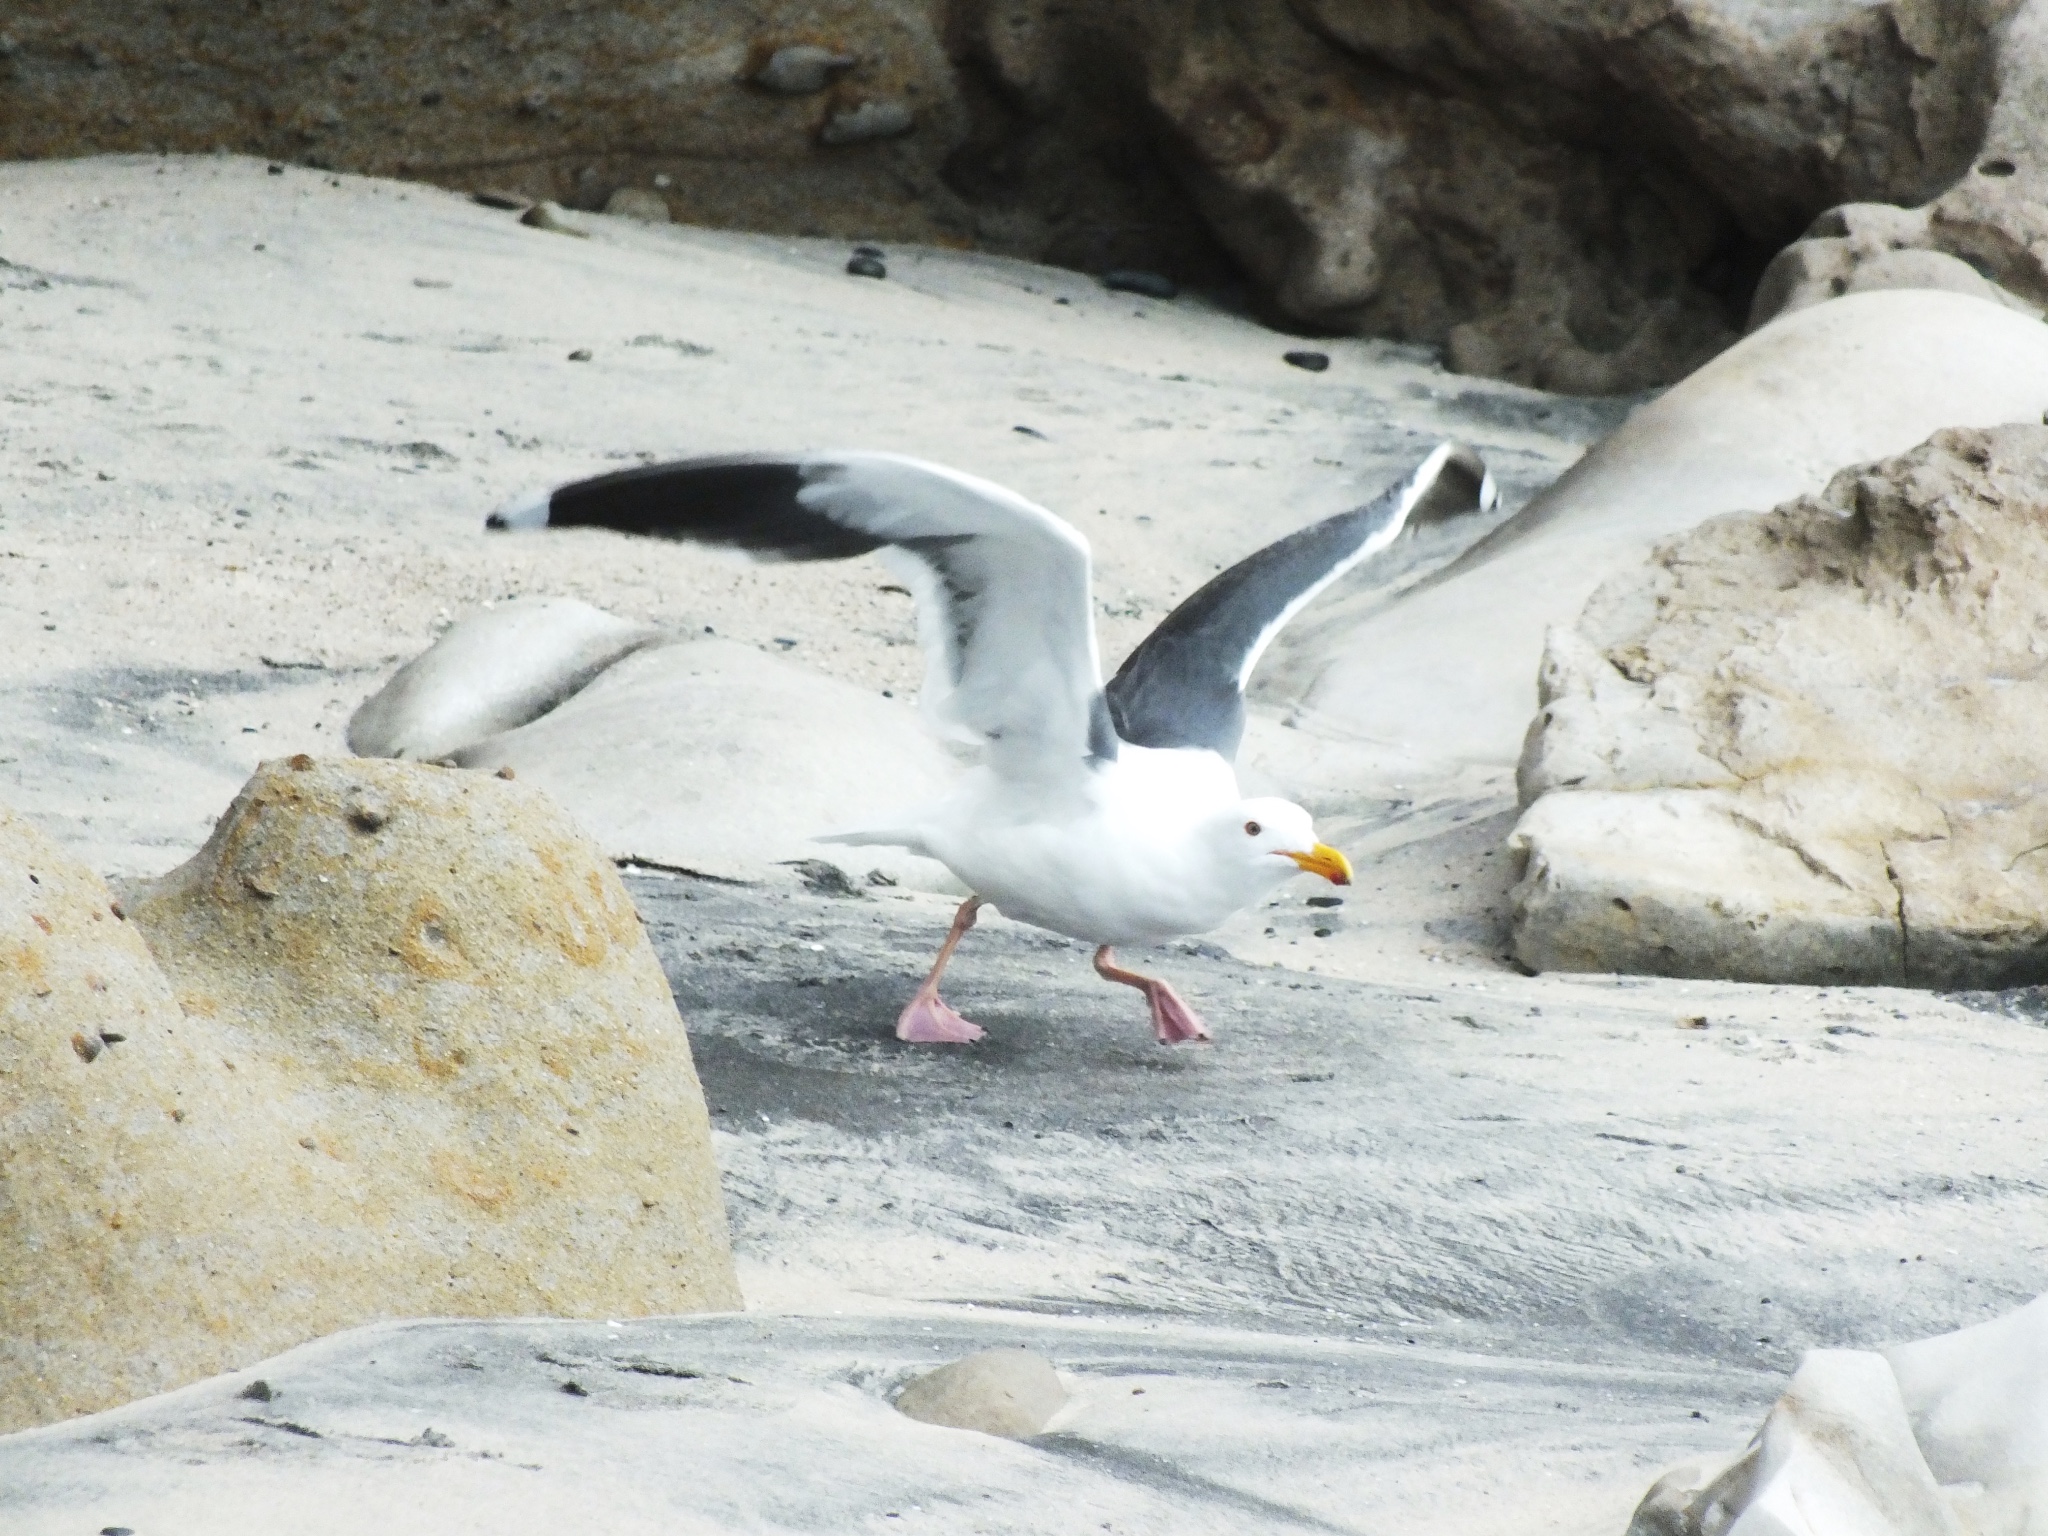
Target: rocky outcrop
column 1986, row 233
column 1805, row 746
column 1575, row 195
column 403, row 1050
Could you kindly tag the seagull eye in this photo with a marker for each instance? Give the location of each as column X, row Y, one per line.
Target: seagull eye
column 1251, row 829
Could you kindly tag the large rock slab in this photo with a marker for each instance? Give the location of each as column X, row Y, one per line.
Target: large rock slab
column 707, row 755
column 396, row 1046
column 1444, row 674
column 1806, row 745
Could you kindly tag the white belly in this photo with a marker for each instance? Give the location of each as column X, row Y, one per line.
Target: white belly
column 1111, row 864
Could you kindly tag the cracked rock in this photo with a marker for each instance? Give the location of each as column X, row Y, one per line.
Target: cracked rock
column 1805, row 745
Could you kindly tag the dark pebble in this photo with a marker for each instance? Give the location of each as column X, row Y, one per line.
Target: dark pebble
column 1314, row 362
column 511, row 202
column 580, row 355
column 1032, row 432
column 866, row 266
column 575, row 1389
column 1323, row 933
column 117, row 1530
column 1153, row 285
column 275, row 170
column 1326, row 901
column 258, row 1391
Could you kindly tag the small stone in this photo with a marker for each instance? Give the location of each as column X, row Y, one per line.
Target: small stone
column 1314, row 362
column 638, row 204
column 580, row 355
column 575, row 1389
column 433, row 1437
column 366, row 812
column 1009, row 1392
column 801, row 68
column 1153, row 285
column 548, row 216
column 87, row 1047
column 507, row 772
column 822, row 877
column 866, row 266
column 490, row 197
column 869, row 121
column 880, row 877
column 299, row 762
column 1326, row 901
column 258, row 1391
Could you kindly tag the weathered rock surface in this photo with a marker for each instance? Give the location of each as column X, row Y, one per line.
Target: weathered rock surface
column 1444, row 673
column 119, row 1203
column 1943, row 1435
column 708, row 755
column 1009, row 1392
column 498, row 668
column 402, row 1050
column 1575, row 194
column 1806, row 745
column 1988, row 231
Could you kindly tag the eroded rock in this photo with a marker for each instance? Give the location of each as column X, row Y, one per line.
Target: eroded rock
column 397, row 1047
column 1806, row 745
column 493, row 671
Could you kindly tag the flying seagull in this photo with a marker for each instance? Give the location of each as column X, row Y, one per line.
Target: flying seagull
column 1109, row 814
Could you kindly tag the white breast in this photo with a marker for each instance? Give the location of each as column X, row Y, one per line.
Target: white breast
column 1113, row 860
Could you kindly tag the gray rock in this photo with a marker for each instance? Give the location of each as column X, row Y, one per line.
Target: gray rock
column 801, row 68
column 492, row 671
column 549, row 216
column 869, row 121
column 1009, row 1392
column 639, row 204
column 1804, row 746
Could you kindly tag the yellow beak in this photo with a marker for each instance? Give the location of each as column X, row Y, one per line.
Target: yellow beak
column 1325, row 861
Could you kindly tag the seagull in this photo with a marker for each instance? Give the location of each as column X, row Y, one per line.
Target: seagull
column 1109, row 814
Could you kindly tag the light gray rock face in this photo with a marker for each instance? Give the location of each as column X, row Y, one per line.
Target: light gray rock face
column 1009, row 1392
column 1934, row 1438
column 494, row 671
column 1806, row 745
column 1444, row 673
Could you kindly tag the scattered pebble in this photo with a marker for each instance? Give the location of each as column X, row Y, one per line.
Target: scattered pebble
column 490, row 197
column 1326, row 901
column 507, row 773
column 1314, row 362
column 822, row 877
column 431, row 282
column 1032, row 432
column 275, row 169
column 548, row 216
column 866, row 266
column 575, row 1389
column 801, row 68
column 1153, row 285
column 580, row 355
column 869, row 121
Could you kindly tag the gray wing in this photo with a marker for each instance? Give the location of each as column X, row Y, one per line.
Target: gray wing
column 1184, row 686
column 1001, row 584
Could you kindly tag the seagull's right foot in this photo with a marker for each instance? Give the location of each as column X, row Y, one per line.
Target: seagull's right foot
column 928, row 1021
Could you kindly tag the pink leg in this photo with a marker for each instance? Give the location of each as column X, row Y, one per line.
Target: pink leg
column 1172, row 1020
column 927, row 1020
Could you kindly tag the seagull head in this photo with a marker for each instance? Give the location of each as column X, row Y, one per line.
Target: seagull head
column 1276, row 840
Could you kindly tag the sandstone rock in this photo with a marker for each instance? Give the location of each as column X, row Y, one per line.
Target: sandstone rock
column 1442, row 674
column 1805, row 745
column 119, row 1267
column 403, row 1050
column 492, row 671
column 715, row 757
column 1009, row 1392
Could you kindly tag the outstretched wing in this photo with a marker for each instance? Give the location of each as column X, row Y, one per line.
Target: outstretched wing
column 1001, row 584
column 1184, row 686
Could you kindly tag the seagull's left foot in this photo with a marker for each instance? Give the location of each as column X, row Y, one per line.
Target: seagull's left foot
column 1172, row 1019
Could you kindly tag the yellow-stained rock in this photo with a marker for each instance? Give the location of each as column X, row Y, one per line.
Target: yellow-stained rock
column 119, row 1203
column 429, row 1067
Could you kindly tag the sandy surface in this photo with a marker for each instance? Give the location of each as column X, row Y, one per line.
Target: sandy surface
column 252, row 423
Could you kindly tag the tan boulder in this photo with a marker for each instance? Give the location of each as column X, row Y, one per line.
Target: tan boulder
column 1806, row 745
column 118, row 1203
column 414, row 1057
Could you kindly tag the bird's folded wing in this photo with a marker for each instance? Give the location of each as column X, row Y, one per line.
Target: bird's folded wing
column 1002, row 585
column 1184, row 686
